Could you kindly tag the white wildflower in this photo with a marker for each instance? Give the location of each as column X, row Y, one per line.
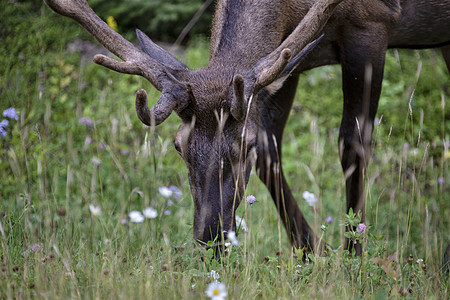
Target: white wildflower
column 150, row 213
column 136, row 216
column 240, row 223
column 95, row 210
column 216, row 291
column 310, row 198
column 233, row 239
column 214, row 275
column 165, row 191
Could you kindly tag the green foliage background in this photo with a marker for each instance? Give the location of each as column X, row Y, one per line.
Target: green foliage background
column 161, row 19
column 50, row 163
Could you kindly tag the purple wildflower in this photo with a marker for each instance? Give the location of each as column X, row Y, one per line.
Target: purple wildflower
column 441, row 180
column 377, row 121
column 88, row 140
column 176, row 192
column 86, row 121
column 36, row 248
column 250, row 199
column 124, row 221
column 10, row 113
column 361, row 228
column 101, row 146
column 329, row 219
column 3, row 124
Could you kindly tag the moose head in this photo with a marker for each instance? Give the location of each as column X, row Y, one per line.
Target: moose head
column 217, row 105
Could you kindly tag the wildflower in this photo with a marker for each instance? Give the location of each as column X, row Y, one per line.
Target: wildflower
column 171, row 191
column 233, row 239
column 214, row 275
column 216, row 291
column 240, row 223
column 441, row 180
column 112, row 23
column 167, row 212
column 136, row 216
column 361, row 228
column 176, row 192
column 84, row 120
column 150, row 213
column 88, row 140
column 165, row 191
column 250, row 199
column 124, row 152
column 10, row 113
column 101, row 146
column 329, row 219
column 95, row 210
column 124, row 221
column 377, row 121
column 169, row 202
column 419, row 261
column 406, row 146
column 96, row 161
column 3, row 125
column 36, row 248
column 323, row 227
column 310, row 198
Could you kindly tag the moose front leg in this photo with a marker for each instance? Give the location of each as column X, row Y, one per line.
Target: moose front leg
column 274, row 112
column 362, row 59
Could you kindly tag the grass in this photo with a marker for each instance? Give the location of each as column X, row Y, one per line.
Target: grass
column 53, row 167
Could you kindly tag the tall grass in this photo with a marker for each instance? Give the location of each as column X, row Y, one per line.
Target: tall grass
column 54, row 165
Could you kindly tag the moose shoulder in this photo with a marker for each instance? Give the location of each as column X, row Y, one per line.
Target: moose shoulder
column 234, row 110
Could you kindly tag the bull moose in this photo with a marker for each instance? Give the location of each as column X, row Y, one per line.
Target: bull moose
column 233, row 111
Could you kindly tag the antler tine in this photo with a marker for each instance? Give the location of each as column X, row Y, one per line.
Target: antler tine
column 269, row 74
column 175, row 99
column 272, row 65
column 158, row 113
column 311, row 25
column 135, row 61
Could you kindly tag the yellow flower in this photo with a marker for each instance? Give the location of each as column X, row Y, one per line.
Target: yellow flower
column 112, row 23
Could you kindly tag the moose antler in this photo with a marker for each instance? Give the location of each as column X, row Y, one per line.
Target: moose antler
column 270, row 68
column 134, row 62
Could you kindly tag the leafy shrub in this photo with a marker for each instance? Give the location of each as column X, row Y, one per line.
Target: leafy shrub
column 160, row 19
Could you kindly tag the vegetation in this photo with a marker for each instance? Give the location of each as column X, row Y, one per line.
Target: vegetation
column 160, row 19
column 77, row 161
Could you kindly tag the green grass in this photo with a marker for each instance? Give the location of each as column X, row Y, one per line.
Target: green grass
column 49, row 175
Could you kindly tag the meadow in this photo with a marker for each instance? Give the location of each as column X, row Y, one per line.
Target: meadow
column 76, row 161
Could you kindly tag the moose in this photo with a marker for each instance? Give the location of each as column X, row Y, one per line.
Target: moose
column 233, row 111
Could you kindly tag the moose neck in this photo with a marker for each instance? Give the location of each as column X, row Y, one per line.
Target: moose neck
column 245, row 31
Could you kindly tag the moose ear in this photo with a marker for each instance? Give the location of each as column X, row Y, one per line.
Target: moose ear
column 238, row 103
column 291, row 66
column 158, row 53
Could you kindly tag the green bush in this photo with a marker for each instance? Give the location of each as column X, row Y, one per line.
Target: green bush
column 160, row 19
